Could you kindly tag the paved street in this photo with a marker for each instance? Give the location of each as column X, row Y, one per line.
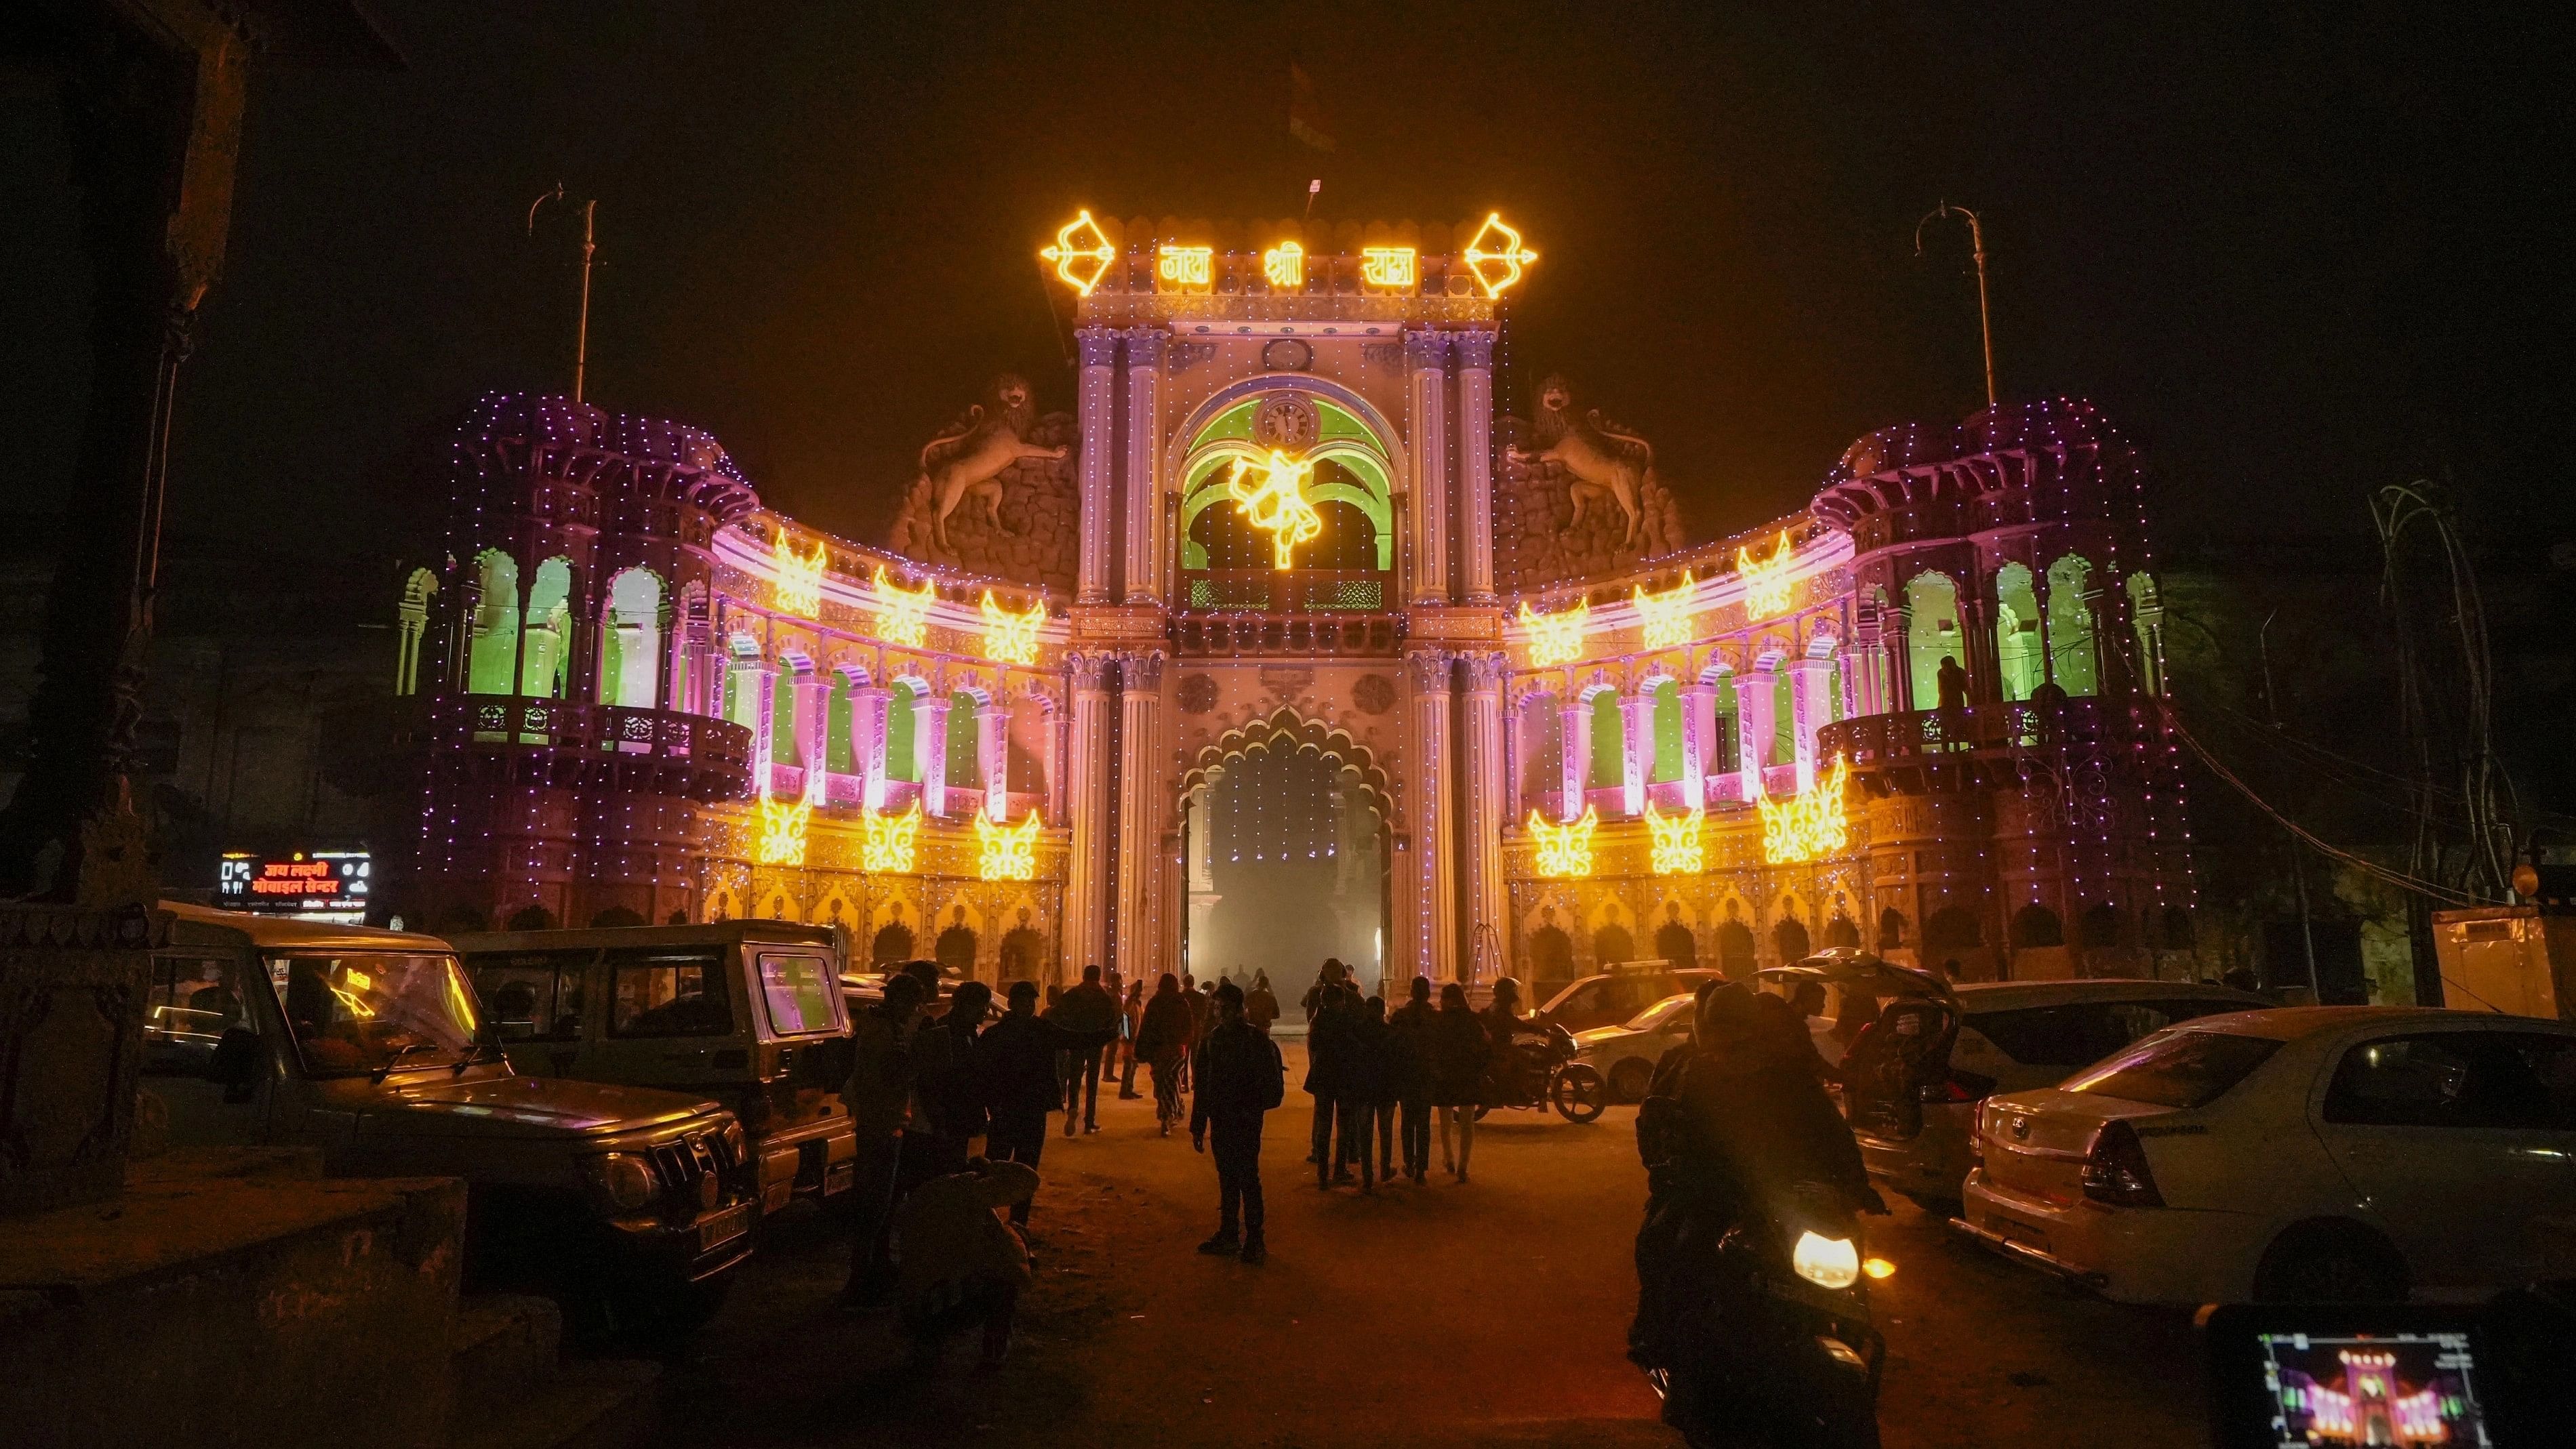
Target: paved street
column 1492, row 1313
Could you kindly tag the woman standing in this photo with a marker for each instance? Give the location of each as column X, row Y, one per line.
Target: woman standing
column 1164, row 1036
column 1459, row 1050
column 1131, row 1021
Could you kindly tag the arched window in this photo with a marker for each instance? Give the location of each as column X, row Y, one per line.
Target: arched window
column 840, row 756
column 1784, row 715
column 965, row 760
column 1668, row 733
column 2073, row 660
column 2147, row 618
column 1228, row 563
column 630, row 643
column 2017, row 644
column 1673, row 942
column 1551, row 954
column 785, row 745
column 1735, row 953
column 2178, row 934
column 902, row 761
column 1025, row 766
column 1542, row 742
column 492, row 661
column 1609, row 745
column 544, row 636
column 411, row 621
column 1951, row 928
column 2037, row 925
column 956, row 950
column 1932, row 634
column 1019, row 952
column 893, row 942
column 1612, row 944
column 2100, row 925
column 1842, row 932
column 1790, row 939
column 1722, row 751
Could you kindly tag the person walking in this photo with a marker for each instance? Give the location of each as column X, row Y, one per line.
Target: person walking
column 1408, row 1073
column 1133, row 1012
column 1016, row 1060
column 1240, row 1078
column 878, row 1095
column 1460, row 1049
column 1261, row 1004
column 1163, row 1038
column 1092, row 1011
column 1328, row 1078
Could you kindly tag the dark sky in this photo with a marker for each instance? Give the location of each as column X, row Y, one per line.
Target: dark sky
column 2296, row 251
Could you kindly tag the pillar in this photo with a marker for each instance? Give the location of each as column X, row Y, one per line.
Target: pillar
column 1140, row 816
column 814, row 731
column 1475, row 352
column 1202, row 865
column 1866, row 677
column 1755, row 692
column 1097, row 395
column 868, row 705
column 1088, row 871
column 1636, row 750
column 1809, row 697
column 1699, row 741
column 1575, row 716
column 1482, row 788
column 1058, row 720
column 930, row 751
column 993, row 757
column 1430, row 883
column 757, row 680
column 1426, row 355
column 1144, row 465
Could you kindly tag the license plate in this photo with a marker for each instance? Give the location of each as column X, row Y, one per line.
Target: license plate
column 724, row 1227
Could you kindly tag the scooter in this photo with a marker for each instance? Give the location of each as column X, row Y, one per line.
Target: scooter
column 1547, row 1075
column 1781, row 1351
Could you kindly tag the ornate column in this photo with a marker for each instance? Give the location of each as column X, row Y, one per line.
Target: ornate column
column 1058, row 720
column 1574, row 716
column 1866, row 678
column 930, row 751
column 1636, row 750
column 1810, row 699
column 1430, row 885
column 1097, row 392
column 1476, row 465
column 993, row 757
column 1202, row 865
column 814, row 731
column 1756, row 692
column 1483, row 786
column 1145, row 464
column 1140, row 815
column 1699, row 742
column 1088, row 870
column 868, row 705
column 757, row 679
column 1426, row 355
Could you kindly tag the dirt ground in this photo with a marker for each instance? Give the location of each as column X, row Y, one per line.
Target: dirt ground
column 1492, row 1313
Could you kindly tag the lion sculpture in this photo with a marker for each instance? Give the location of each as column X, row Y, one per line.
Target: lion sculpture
column 1599, row 461
column 969, row 462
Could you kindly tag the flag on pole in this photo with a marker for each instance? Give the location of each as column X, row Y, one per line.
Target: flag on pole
column 1305, row 117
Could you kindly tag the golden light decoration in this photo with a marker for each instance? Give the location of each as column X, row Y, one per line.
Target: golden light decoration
column 1007, row 852
column 1667, row 616
column 1185, row 269
column 1498, row 267
column 798, row 589
column 1389, row 268
column 1766, row 581
column 1079, row 265
column 1809, row 826
column 888, row 844
column 903, row 615
column 1278, row 505
column 1285, row 265
column 1564, row 851
column 1011, row 638
column 1556, row 638
column 1678, row 840
column 781, row 828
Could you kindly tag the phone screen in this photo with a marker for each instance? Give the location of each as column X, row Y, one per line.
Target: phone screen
column 2401, row 1389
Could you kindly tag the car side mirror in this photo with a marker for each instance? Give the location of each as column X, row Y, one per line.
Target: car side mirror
column 235, row 1064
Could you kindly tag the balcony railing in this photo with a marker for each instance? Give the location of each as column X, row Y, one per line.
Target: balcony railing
column 1287, row 591
column 1929, row 736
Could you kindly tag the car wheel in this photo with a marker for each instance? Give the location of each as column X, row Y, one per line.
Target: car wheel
column 1630, row 1080
column 2330, row 1262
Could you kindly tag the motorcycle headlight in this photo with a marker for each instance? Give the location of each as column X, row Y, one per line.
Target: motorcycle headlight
column 1826, row 1262
column 626, row 1180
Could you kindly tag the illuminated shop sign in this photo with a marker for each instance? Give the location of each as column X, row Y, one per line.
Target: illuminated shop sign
column 328, row 885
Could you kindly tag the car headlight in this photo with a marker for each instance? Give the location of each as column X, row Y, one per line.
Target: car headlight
column 1826, row 1262
column 626, row 1180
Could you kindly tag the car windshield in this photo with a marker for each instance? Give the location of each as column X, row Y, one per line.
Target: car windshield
column 2176, row 1068
column 1654, row 1017
column 373, row 1012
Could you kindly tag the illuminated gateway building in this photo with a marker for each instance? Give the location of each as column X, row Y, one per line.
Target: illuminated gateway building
column 1283, row 644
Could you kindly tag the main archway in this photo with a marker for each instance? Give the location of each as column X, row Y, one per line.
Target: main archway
column 1286, row 841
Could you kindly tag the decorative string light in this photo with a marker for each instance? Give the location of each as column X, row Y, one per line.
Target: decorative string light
column 1555, row 638
column 1006, row 852
column 1677, row 840
column 1766, row 581
column 1011, row 638
column 1564, row 851
column 889, row 843
column 1667, row 615
column 903, row 616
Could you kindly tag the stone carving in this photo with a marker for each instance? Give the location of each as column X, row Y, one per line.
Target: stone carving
column 1018, row 469
column 1197, row 693
column 1373, row 694
column 1585, row 502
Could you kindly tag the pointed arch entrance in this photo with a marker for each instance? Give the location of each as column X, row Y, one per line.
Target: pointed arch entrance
column 1285, row 831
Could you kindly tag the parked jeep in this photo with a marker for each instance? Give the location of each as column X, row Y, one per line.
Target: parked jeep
column 747, row 1012
column 632, row 1205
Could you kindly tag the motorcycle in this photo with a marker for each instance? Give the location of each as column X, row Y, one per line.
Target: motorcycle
column 1544, row 1074
column 1767, row 1339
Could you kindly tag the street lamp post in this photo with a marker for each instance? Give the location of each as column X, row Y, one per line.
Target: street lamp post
column 589, row 245
column 1977, row 244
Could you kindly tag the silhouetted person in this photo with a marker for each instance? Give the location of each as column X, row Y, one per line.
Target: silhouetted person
column 1408, row 1071
column 1164, row 1039
column 1328, row 1072
column 1260, row 1004
column 1363, row 1088
column 1091, row 1010
column 1016, row 1059
column 1240, row 1077
column 878, row 1095
column 1952, row 681
column 1459, row 1050
column 948, row 1094
column 1333, row 974
column 963, row 1267
column 1133, row 1010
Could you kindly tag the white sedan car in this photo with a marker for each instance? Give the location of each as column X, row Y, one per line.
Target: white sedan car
column 2317, row 1153
column 1625, row 1055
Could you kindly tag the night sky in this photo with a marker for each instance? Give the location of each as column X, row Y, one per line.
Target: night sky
column 2295, row 251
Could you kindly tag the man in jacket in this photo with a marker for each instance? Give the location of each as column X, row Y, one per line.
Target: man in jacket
column 1163, row 1039
column 1329, row 1073
column 1015, row 1059
column 1240, row 1077
column 878, row 1095
column 1261, row 1004
column 1090, row 1009
column 1408, row 1077
column 947, row 1099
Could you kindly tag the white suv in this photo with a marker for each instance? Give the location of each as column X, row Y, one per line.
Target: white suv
column 2316, row 1153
